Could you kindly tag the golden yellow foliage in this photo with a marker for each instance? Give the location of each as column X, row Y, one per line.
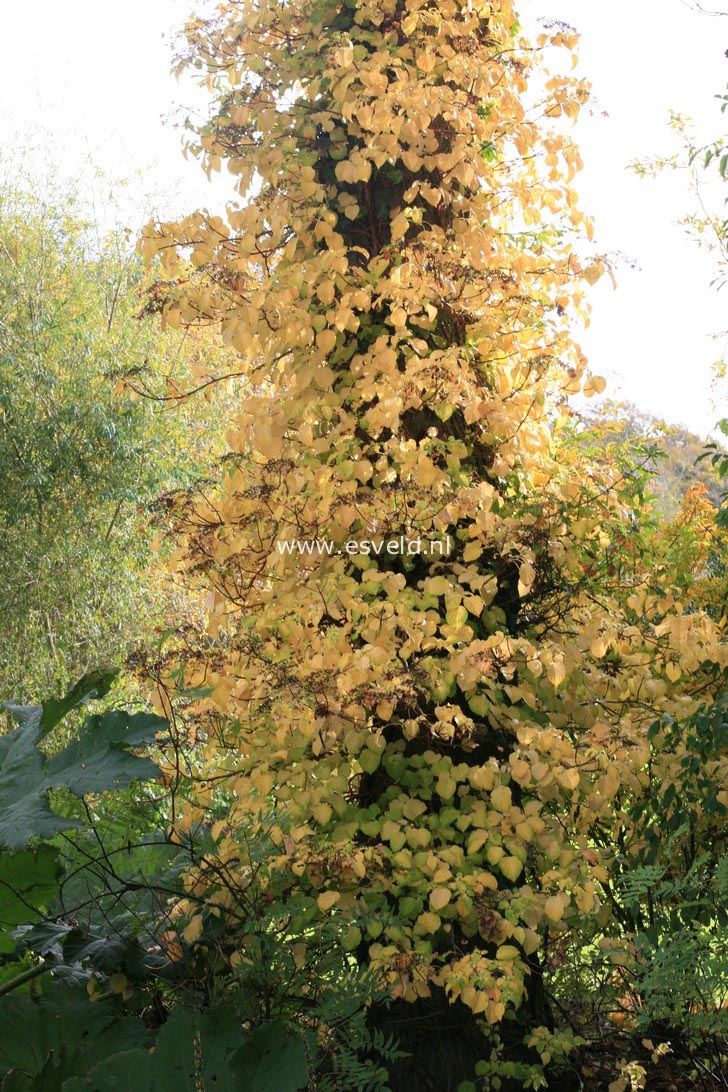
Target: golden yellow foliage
column 438, row 734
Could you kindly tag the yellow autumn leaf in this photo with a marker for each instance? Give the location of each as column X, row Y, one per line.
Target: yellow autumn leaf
column 476, row 841
column 118, row 982
column 594, row 385
column 322, row 813
column 439, row 898
column 427, row 923
column 568, row 779
column 438, row 585
column 526, row 577
column 494, row 854
column 507, row 953
column 555, row 672
column 511, row 868
column 328, row 899
column 531, row 941
column 193, row 930
column 594, row 272
column 501, row 798
column 520, row 770
column 326, row 340
column 553, row 908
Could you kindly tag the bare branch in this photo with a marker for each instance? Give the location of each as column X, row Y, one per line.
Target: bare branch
column 694, row 5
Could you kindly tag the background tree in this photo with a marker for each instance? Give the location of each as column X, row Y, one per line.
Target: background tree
column 673, row 454
column 706, row 223
column 81, row 456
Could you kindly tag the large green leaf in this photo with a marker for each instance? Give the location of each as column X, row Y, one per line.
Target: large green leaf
column 97, row 760
column 271, row 1061
column 191, row 1046
column 28, row 883
column 65, row 1043
column 217, row 1033
column 26, row 1037
column 125, row 1071
column 59, row 1039
column 94, row 685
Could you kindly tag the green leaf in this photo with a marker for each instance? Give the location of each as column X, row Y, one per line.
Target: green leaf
column 28, row 883
column 126, row 1071
column 93, row 685
column 444, row 411
column 97, row 760
column 26, row 1039
column 217, row 1032
column 63, row 1030
column 270, row 1061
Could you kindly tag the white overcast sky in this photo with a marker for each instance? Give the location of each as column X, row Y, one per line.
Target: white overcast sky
column 95, row 77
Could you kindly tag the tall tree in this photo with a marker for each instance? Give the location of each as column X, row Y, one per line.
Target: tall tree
column 438, row 707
